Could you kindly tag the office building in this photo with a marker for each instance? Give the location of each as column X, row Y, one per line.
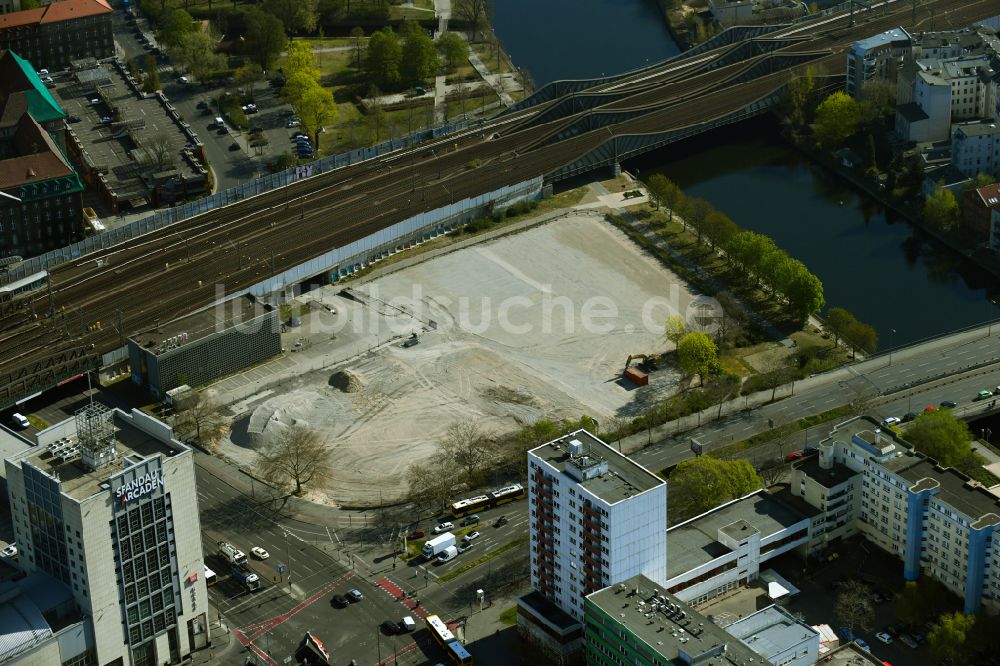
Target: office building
column 106, row 521
column 209, row 344
column 638, row 622
column 53, row 35
column 938, row 522
column 596, row 518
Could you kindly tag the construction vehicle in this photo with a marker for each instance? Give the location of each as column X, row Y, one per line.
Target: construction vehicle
column 647, row 363
column 242, row 573
column 232, row 554
column 639, row 375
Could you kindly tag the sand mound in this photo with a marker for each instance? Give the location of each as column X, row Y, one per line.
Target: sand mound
column 346, row 381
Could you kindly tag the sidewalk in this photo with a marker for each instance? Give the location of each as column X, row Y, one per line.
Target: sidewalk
column 492, row 642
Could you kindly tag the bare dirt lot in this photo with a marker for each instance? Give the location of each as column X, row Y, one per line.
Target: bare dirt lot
column 534, row 325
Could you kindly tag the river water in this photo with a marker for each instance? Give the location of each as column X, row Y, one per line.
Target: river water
column 879, row 268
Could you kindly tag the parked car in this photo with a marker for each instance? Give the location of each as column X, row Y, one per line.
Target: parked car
column 845, row 633
column 500, row 522
column 984, row 395
column 10, row 552
column 470, row 537
column 292, row 123
column 862, row 644
column 891, row 420
column 19, row 420
column 794, row 455
column 908, row 641
column 259, row 553
column 234, row 146
column 884, row 637
column 389, row 628
column 202, row 104
column 74, row 119
column 909, row 416
column 183, row 79
column 355, row 595
column 443, row 527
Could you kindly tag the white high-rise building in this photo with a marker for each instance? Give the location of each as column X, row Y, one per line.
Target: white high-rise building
column 597, row 518
column 105, row 508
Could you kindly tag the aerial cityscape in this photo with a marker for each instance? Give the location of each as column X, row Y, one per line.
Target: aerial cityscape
column 498, row 332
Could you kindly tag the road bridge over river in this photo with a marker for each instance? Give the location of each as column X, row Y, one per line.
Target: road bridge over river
column 174, row 270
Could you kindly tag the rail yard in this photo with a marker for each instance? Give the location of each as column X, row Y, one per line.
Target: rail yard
column 92, row 303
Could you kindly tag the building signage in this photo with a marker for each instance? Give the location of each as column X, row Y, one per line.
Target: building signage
column 139, row 486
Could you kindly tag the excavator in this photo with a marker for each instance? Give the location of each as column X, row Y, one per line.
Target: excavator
column 647, row 363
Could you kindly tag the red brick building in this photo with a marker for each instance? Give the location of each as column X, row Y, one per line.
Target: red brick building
column 980, row 207
column 51, row 36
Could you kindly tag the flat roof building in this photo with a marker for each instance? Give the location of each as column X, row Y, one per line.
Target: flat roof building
column 203, row 346
column 106, row 506
column 53, row 35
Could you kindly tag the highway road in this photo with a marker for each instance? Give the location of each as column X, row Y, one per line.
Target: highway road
column 171, row 271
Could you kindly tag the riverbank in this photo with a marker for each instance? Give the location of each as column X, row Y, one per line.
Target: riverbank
column 685, row 23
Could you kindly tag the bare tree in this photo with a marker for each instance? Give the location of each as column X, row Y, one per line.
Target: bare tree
column 158, row 152
column 854, row 606
column 468, row 447
column 430, row 485
column 299, row 456
column 200, row 418
column 771, row 474
column 477, row 13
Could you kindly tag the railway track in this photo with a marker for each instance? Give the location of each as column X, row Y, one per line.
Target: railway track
column 176, row 269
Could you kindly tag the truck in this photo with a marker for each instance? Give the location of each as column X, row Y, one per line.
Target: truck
column 436, row 545
column 250, row 580
column 448, row 553
column 232, row 554
column 93, row 222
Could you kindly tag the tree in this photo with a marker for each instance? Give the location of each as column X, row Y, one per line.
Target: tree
column 837, row 118
column 453, row 49
column 941, row 209
column 922, row 600
column 701, row 483
column 316, row 107
column 265, row 37
column 385, row 54
column 159, row 152
column 468, row 447
column 201, row 420
column 878, row 100
column 298, row 16
column 854, row 606
column 30, row 4
column 861, row 336
column 697, row 354
column 838, row 321
column 358, row 37
column 950, row 638
column 696, row 211
column 177, row 24
column 675, row 329
column 939, row 435
column 248, row 75
column 804, row 291
column 196, row 52
column 799, row 93
column 420, row 57
column 301, row 60
column 152, row 81
column 296, row 458
column 430, row 485
column 476, row 13
column 719, row 229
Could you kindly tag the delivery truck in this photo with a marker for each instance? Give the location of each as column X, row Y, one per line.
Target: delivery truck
column 434, row 547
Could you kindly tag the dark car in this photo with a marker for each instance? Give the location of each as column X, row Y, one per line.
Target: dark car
column 74, row 119
column 222, row 130
column 234, row 146
column 949, row 404
column 390, row 628
column 338, row 601
column 202, row 104
column 909, row 416
column 500, row 522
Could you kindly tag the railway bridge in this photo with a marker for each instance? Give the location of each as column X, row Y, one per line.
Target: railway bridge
column 92, row 303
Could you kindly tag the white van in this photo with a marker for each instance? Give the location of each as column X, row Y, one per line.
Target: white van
column 219, row 122
column 19, row 420
column 408, row 624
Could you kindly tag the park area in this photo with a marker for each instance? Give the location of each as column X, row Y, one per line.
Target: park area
column 536, row 325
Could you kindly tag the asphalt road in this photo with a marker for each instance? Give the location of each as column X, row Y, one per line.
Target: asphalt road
column 912, row 382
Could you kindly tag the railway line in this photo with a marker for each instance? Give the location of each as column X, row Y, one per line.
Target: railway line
column 176, row 269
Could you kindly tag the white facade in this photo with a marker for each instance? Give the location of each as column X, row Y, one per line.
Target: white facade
column 597, row 518
column 126, row 538
column 933, row 95
column 975, row 148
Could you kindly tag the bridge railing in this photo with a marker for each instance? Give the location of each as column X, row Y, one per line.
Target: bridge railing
column 166, row 217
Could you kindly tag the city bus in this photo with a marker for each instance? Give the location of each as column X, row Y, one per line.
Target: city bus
column 210, row 577
column 488, row 501
column 439, row 630
column 457, row 654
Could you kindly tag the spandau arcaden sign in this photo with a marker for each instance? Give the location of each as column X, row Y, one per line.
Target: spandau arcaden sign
column 141, row 485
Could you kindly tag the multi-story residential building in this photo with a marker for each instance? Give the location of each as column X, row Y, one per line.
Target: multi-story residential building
column 876, row 58
column 638, row 622
column 55, row 34
column 975, row 148
column 596, row 518
column 938, row 521
column 105, row 510
column 980, row 207
column 42, row 205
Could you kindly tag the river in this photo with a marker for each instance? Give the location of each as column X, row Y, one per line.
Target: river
column 879, row 268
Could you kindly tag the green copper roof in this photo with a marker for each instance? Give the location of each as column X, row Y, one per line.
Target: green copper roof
column 41, row 105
